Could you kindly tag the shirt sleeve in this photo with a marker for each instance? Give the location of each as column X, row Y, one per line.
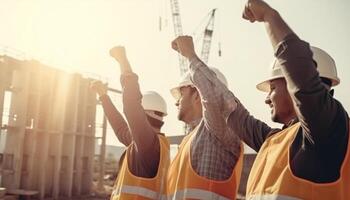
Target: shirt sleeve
column 144, row 137
column 217, row 102
column 251, row 130
column 320, row 114
column 116, row 120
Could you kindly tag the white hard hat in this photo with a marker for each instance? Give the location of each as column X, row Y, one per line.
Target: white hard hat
column 325, row 67
column 152, row 101
column 186, row 81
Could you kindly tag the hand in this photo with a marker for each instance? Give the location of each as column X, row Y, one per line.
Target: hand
column 257, row 10
column 184, row 45
column 118, row 53
column 98, row 87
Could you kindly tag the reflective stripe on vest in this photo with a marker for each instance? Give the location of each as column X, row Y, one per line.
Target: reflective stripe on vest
column 136, row 190
column 196, row 194
column 272, row 197
column 129, row 186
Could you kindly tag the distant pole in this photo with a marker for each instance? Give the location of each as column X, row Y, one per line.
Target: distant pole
column 100, row 184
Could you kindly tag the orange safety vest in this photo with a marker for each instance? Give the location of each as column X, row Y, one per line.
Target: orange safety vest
column 184, row 183
column 129, row 186
column 272, row 178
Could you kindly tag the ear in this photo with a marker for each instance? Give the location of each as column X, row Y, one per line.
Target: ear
column 196, row 96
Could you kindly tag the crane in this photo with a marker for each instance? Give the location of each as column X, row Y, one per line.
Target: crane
column 175, row 11
column 207, row 38
column 207, row 35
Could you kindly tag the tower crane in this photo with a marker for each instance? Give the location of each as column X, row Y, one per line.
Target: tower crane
column 175, row 12
column 207, row 37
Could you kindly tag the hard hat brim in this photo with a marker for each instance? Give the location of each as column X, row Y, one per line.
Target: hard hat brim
column 175, row 92
column 325, row 66
column 265, row 85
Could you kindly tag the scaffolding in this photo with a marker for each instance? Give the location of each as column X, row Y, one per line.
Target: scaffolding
column 49, row 131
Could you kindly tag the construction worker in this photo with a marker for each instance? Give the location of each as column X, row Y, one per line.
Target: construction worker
column 209, row 161
column 143, row 171
column 309, row 158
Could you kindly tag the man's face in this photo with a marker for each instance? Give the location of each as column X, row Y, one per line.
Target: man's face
column 280, row 102
column 186, row 103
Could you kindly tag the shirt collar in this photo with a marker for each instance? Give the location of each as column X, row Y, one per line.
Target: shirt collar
column 290, row 123
column 190, row 126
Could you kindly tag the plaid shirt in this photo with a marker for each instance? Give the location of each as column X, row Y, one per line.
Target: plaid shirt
column 215, row 149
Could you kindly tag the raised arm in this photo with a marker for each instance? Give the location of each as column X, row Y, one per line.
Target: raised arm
column 217, row 101
column 322, row 116
column 142, row 132
column 118, row 124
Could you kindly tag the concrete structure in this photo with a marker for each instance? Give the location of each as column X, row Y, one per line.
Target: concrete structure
column 49, row 131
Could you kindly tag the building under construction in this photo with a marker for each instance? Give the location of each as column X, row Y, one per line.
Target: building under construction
column 47, row 130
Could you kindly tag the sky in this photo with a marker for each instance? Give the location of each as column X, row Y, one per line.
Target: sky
column 76, row 36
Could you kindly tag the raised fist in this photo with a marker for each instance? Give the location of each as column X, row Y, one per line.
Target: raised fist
column 184, row 45
column 257, row 10
column 118, row 53
column 98, row 87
